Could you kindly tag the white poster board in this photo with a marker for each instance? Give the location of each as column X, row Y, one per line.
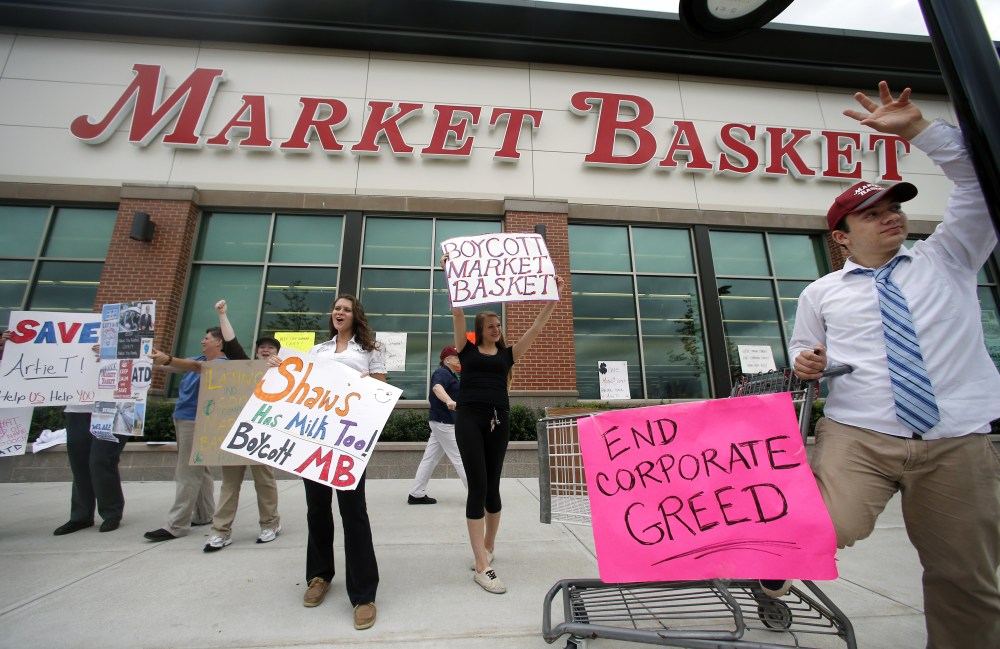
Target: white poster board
column 613, row 379
column 755, row 359
column 394, row 347
column 125, row 373
column 318, row 419
column 499, row 267
column 14, row 425
column 49, row 360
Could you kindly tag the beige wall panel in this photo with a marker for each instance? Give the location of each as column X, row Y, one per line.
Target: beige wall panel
column 452, row 83
column 54, row 156
column 93, row 61
column 289, row 73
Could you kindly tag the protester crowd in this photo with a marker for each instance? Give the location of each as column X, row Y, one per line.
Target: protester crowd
column 910, row 418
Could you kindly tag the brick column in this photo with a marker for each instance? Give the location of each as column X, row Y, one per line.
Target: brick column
column 155, row 270
column 550, row 364
column 838, row 253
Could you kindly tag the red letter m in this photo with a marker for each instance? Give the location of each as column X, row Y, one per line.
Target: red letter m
column 320, row 460
column 189, row 103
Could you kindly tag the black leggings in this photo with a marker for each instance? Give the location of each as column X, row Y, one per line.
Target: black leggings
column 483, row 452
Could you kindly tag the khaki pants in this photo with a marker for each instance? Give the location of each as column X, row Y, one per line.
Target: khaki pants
column 229, row 498
column 950, row 490
column 194, row 499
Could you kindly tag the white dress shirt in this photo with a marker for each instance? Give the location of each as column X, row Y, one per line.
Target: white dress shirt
column 354, row 356
column 841, row 311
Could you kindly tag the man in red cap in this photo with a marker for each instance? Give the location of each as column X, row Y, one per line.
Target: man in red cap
column 444, row 391
column 913, row 415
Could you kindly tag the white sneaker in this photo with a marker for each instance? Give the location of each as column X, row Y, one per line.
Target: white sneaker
column 490, row 582
column 216, row 543
column 269, row 534
column 489, row 560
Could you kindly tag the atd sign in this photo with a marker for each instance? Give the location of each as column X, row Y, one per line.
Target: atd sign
column 740, row 149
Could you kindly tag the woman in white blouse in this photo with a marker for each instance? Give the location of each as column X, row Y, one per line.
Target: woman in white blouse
column 352, row 343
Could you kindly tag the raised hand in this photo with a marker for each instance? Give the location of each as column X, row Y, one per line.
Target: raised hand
column 897, row 116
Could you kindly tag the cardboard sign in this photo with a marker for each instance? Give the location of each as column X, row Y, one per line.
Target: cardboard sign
column 394, row 347
column 316, row 418
column 716, row 489
column 224, row 390
column 498, row 267
column 14, row 426
column 613, row 379
column 755, row 359
column 301, row 341
column 49, row 360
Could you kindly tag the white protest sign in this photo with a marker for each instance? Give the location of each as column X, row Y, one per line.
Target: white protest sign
column 49, row 360
column 499, row 267
column 394, row 346
column 112, row 418
column 14, row 425
column 755, row 359
column 613, row 379
column 316, row 418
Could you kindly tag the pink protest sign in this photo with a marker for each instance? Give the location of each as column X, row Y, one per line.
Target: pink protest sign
column 716, row 489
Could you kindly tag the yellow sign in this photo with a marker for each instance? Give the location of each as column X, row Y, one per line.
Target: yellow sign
column 301, row 341
column 224, row 390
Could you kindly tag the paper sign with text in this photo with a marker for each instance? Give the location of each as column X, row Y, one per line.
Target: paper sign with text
column 755, row 359
column 224, row 390
column 613, row 380
column 49, row 360
column 394, row 347
column 499, row 267
column 112, row 418
column 316, row 418
column 14, row 426
column 715, row 489
column 127, row 329
column 301, row 341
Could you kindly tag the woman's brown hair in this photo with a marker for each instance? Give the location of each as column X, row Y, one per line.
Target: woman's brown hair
column 362, row 330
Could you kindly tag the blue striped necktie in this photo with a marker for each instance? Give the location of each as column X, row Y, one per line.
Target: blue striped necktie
column 911, row 386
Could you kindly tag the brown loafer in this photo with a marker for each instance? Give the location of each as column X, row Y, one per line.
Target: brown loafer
column 364, row 616
column 316, row 592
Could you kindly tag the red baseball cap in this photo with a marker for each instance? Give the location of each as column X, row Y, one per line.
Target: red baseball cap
column 863, row 194
column 450, row 350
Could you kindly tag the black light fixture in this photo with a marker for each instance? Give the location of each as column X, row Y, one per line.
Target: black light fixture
column 724, row 19
column 540, row 230
column 142, row 227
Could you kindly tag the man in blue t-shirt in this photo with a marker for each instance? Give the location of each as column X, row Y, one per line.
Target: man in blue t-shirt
column 194, row 502
column 444, row 391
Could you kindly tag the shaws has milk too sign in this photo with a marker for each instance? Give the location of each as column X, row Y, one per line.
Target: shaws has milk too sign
column 623, row 136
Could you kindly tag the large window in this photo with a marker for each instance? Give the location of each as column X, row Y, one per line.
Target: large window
column 635, row 299
column 277, row 272
column 759, row 278
column 403, row 289
column 51, row 258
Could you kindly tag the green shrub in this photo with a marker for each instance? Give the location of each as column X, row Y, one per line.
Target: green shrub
column 406, row 426
column 159, row 421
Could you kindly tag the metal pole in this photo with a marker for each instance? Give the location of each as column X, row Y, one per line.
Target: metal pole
column 971, row 71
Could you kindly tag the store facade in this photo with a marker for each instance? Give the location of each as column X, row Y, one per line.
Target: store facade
column 685, row 211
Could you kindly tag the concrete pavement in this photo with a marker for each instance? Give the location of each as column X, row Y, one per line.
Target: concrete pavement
column 117, row 591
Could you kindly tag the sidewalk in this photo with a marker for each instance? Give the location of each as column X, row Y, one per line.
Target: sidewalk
column 119, row 591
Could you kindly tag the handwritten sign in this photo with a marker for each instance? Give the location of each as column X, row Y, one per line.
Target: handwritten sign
column 318, row 418
column 14, row 426
column 301, row 341
column 716, row 489
column 49, row 360
column 613, row 380
column 755, row 359
column 498, row 267
column 224, row 390
column 394, row 346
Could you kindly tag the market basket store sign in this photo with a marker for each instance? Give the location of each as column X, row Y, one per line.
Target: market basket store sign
column 622, row 134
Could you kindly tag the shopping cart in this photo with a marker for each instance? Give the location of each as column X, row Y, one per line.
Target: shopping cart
column 713, row 613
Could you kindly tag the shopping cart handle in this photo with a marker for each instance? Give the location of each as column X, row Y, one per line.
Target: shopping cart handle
column 837, row 370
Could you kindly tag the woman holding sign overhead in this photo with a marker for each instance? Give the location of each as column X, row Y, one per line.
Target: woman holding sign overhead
column 482, row 424
column 352, row 343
